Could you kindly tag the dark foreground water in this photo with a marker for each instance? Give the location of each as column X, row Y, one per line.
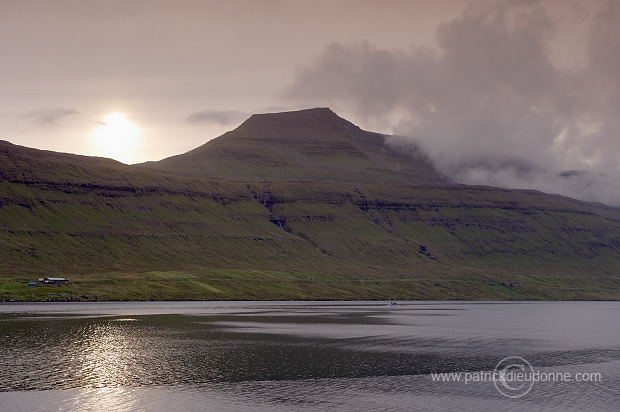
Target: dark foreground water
column 298, row 356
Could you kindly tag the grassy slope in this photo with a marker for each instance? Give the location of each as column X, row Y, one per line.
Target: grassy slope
column 462, row 237
column 354, row 243
column 121, row 232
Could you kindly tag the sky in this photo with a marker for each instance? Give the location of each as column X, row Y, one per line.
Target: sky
column 518, row 94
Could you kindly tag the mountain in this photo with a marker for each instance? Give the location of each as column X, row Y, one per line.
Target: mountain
column 297, row 205
column 313, row 145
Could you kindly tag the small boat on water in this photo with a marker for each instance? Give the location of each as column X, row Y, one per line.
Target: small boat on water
column 392, row 304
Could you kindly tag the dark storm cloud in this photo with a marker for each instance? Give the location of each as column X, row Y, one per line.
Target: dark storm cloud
column 223, row 118
column 495, row 103
column 48, row 117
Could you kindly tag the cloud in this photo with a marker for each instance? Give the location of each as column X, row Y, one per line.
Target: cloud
column 223, row 118
column 48, row 117
column 505, row 99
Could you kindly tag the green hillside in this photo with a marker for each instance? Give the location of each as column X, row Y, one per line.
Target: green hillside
column 128, row 232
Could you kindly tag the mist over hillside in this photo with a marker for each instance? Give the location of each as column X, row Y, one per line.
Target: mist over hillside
column 515, row 94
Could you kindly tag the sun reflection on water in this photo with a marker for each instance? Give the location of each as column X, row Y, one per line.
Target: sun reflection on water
column 108, row 355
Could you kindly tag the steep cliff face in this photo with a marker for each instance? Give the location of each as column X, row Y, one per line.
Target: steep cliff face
column 451, row 224
column 310, row 145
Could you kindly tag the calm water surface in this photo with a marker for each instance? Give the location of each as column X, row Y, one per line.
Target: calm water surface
column 297, row 356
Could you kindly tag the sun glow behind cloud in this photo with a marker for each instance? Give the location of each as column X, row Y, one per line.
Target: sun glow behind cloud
column 117, row 138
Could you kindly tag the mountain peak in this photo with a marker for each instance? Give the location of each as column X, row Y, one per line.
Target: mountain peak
column 312, row 114
column 305, row 145
column 319, row 119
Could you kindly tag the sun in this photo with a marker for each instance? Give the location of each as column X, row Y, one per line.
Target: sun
column 116, row 137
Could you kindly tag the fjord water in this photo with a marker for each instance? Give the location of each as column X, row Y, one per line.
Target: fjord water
column 294, row 356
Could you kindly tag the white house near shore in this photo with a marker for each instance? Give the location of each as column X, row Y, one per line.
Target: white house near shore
column 53, row 280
